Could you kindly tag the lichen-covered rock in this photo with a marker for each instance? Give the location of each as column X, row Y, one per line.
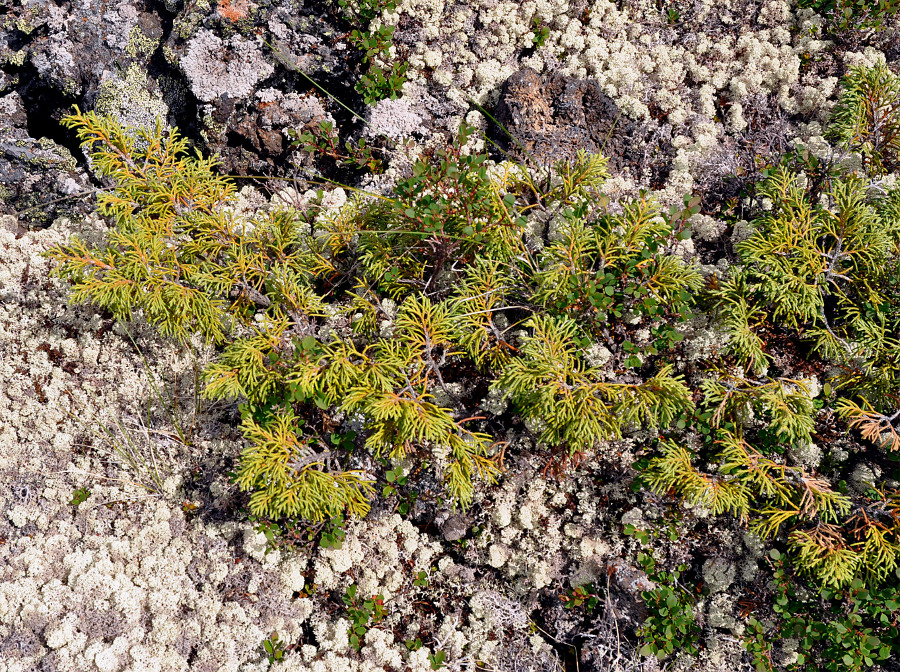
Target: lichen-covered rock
column 718, row 574
column 132, row 98
column 71, row 44
column 219, row 68
column 38, row 177
column 393, row 119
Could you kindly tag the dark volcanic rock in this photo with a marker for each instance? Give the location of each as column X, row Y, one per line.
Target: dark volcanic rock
column 201, row 66
column 551, row 118
column 245, row 65
column 36, row 175
column 456, row 527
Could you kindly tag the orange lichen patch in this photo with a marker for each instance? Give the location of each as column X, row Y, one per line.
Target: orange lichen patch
column 234, row 10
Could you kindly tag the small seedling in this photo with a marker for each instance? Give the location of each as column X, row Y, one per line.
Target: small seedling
column 640, row 535
column 395, row 478
column 188, row 507
column 79, row 495
column 378, row 83
column 274, row 648
column 363, row 614
column 364, row 11
column 372, row 43
column 581, row 596
column 437, row 660
column 332, row 533
column 541, row 32
column 272, row 532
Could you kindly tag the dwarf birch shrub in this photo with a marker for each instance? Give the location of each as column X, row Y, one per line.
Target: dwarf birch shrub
column 854, row 15
column 404, row 312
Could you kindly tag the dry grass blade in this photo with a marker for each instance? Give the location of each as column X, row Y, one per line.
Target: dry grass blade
column 138, row 459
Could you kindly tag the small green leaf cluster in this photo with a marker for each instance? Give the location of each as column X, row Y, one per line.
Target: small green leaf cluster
column 378, row 82
column 844, row 630
column 670, row 626
column 843, row 15
column 541, row 32
column 272, row 531
column 332, row 533
column 641, row 535
column 436, row 659
column 362, row 613
column 79, row 495
column 581, row 596
column 396, row 480
column 274, row 648
column 366, row 11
